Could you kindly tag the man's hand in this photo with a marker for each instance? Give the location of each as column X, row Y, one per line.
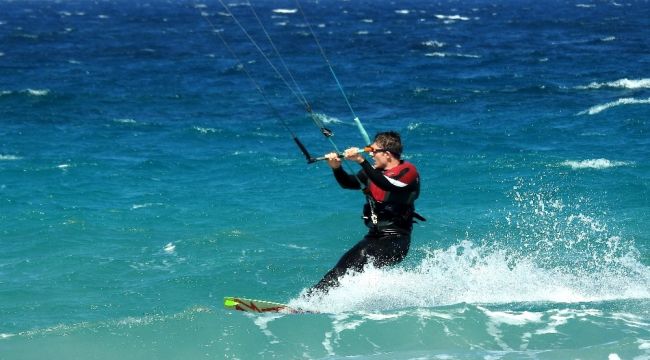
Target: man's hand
column 333, row 160
column 353, row 154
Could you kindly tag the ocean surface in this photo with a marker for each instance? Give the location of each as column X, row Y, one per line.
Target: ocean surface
column 143, row 177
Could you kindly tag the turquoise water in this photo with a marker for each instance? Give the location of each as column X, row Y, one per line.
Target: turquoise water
column 142, row 179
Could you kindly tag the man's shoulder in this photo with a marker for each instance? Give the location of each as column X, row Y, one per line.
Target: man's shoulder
column 407, row 165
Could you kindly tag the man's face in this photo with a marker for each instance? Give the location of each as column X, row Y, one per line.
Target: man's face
column 380, row 155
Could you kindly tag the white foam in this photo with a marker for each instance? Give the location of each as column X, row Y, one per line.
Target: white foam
column 9, row 157
column 443, row 54
column 451, row 17
column 205, row 130
column 402, row 12
column 597, row 164
column 433, row 43
column 285, row 11
column 145, row 205
column 326, row 119
column 608, row 38
column 479, row 275
column 6, row 336
column 624, row 83
column 169, row 248
column 625, row 101
column 125, row 121
column 37, row 92
column 643, row 344
column 586, row 6
column 512, row 318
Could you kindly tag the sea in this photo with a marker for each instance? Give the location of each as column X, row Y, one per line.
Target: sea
column 148, row 170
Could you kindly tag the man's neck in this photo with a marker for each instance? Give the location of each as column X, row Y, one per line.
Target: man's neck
column 391, row 164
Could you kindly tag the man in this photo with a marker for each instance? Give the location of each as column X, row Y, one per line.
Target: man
column 391, row 187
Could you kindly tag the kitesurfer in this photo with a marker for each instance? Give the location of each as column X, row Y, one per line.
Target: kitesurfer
column 391, row 187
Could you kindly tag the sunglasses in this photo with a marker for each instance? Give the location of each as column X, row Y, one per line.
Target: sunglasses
column 370, row 149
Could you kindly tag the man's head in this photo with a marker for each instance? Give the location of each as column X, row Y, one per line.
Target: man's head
column 387, row 149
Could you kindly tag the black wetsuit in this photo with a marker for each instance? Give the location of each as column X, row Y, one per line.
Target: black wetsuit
column 391, row 195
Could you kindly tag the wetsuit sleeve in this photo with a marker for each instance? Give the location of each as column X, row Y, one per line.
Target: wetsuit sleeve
column 404, row 183
column 348, row 181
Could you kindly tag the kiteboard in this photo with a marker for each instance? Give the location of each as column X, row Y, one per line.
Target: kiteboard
column 260, row 306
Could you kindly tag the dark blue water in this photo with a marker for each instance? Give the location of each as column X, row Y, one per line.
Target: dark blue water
column 143, row 178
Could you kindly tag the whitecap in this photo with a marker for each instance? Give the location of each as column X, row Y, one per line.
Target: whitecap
column 145, row 205
column 586, row 6
column 402, row 12
column 362, row 32
column 9, row 157
column 512, row 317
column 608, row 38
column 37, row 92
column 205, row 130
column 625, row 101
column 2, row 54
column 451, row 17
column 597, row 164
column 285, row 11
column 326, row 119
column 125, row 121
column 433, row 43
column 443, row 54
column 367, row 21
column 624, row 83
column 169, row 248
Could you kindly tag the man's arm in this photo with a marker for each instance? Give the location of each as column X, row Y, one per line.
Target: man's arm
column 346, row 180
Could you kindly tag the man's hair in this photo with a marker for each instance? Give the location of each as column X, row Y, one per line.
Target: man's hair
column 391, row 141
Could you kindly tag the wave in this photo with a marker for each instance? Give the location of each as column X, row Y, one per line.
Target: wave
column 285, row 11
column 442, row 54
column 619, row 84
column 451, row 17
column 433, row 43
column 326, row 119
column 624, row 101
column 206, row 130
column 125, row 121
column 9, row 157
column 465, row 273
column 547, row 249
column 594, row 164
column 37, row 92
